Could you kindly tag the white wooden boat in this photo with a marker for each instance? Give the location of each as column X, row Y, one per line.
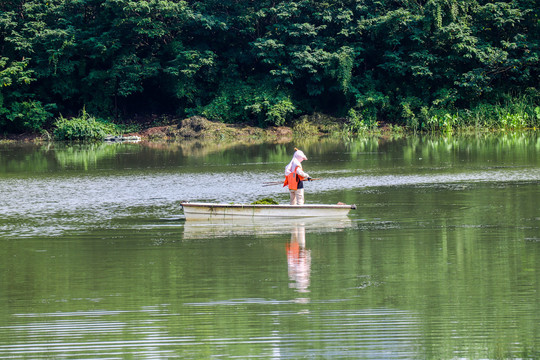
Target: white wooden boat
column 208, row 211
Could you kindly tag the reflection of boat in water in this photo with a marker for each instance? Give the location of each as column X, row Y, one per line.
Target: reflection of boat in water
column 217, row 228
column 298, row 255
column 204, row 211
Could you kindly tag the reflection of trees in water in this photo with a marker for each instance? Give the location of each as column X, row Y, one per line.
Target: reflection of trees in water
column 519, row 147
column 23, row 157
column 86, row 156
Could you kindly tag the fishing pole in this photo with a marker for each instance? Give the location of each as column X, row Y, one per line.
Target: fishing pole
column 270, row 183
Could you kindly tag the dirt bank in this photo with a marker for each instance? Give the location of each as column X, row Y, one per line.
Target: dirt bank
column 197, row 127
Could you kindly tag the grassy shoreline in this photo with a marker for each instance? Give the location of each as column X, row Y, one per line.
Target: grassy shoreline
column 86, row 128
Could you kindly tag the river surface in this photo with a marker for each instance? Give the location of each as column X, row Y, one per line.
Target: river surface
column 441, row 260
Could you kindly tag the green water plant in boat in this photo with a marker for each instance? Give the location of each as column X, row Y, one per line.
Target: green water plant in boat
column 265, row 201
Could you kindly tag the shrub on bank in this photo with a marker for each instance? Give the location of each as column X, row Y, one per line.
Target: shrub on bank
column 519, row 113
column 83, row 128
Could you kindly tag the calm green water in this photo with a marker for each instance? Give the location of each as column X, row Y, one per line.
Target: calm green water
column 440, row 261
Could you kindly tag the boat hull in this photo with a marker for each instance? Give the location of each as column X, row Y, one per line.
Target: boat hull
column 205, row 211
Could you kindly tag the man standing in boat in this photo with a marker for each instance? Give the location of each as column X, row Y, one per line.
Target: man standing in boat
column 294, row 177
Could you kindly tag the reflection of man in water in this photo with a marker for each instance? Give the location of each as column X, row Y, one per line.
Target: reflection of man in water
column 299, row 259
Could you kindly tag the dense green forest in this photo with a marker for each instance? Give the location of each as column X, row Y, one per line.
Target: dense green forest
column 423, row 64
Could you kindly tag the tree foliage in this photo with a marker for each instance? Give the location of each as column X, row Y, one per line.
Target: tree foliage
column 263, row 61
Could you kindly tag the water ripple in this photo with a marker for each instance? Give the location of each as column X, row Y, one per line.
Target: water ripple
column 51, row 206
column 383, row 333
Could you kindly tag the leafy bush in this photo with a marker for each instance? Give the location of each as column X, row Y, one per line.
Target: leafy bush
column 85, row 127
column 279, row 112
column 247, row 102
column 505, row 113
column 513, row 121
column 355, row 123
column 371, row 104
column 443, row 123
column 359, row 121
column 26, row 116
